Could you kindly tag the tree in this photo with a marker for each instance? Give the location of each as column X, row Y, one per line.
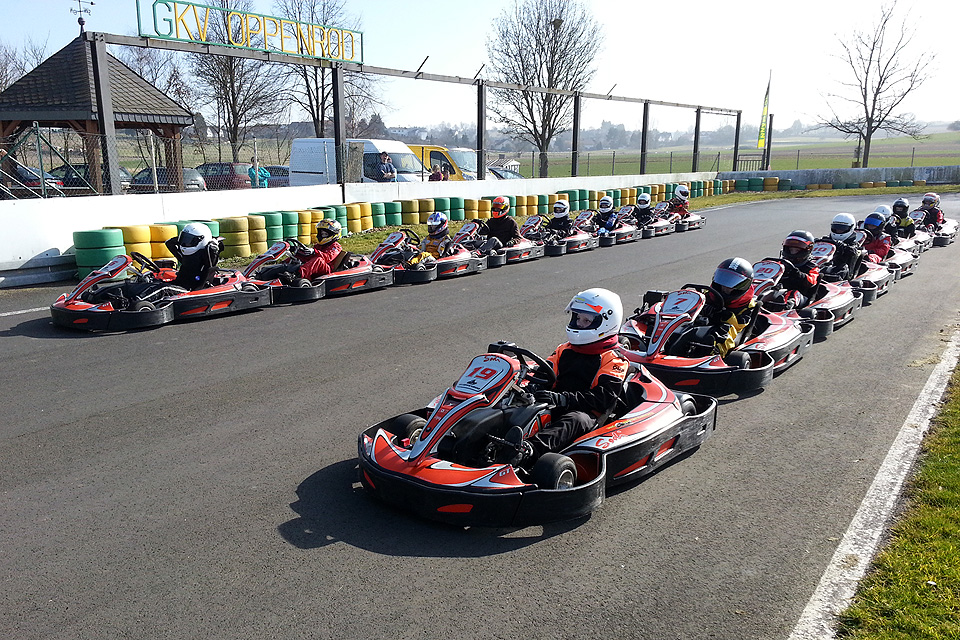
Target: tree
column 16, row 63
column 884, row 73
column 545, row 43
column 311, row 88
column 243, row 91
column 162, row 69
column 954, row 126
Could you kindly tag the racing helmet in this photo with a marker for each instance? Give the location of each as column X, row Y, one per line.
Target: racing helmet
column 901, row 206
column 500, row 207
column 842, row 227
column 681, row 193
column 732, row 279
column 437, row 226
column 605, row 205
column 930, row 200
column 874, row 223
column 561, row 208
column 643, row 200
column 797, row 246
column 194, row 237
column 595, row 314
column 884, row 211
column 328, row 230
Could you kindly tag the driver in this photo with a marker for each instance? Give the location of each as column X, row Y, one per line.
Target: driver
column 561, row 219
column 438, row 242
column 589, row 368
column 501, row 226
column 643, row 212
column 848, row 255
column 901, row 209
column 322, row 259
column 932, row 214
column 198, row 253
column 878, row 243
column 678, row 203
column 606, row 217
column 733, row 280
column 802, row 275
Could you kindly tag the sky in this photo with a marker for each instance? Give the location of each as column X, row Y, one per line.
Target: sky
column 688, row 51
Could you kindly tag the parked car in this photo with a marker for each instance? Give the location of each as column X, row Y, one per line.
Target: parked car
column 225, row 175
column 78, row 176
column 30, row 177
column 143, row 181
column 279, row 175
column 505, row 174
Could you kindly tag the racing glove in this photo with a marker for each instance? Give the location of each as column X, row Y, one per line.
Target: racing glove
column 552, row 398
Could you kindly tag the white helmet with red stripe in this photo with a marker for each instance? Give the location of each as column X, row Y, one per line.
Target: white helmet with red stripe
column 595, row 314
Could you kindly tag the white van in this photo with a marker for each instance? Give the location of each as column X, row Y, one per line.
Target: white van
column 313, row 161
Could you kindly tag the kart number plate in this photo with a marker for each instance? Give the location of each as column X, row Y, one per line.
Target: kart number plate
column 680, row 302
column 483, row 373
column 766, row 271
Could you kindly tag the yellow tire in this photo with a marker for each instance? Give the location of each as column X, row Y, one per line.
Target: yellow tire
column 353, row 211
column 304, row 230
column 162, row 232
column 410, row 206
column 867, row 185
column 813, row 187
column 562, row 196
column 882, row 183
column 470, row 214
column 233, row 225
column 236, row 238
column 771, row 181
column 471, row 204
column 366, row 222
column 134, row 234
column 143, row 248
column 424, row 215
column 305, row 216
column 257, row 235
column 366, row 210
column 236, row 251
column 256, row 248
column 316, row 215
column 353, row 226
column 410, row 217
column 485, row 205
column 159, row 250
column 256, row 222
column 552, row 199
column 521, row 202
column 521, row 211
column 919, row 183
column 426, row 206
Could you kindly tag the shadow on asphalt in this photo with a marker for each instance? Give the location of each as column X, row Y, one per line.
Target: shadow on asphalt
column 44, row 328
column 332, row 507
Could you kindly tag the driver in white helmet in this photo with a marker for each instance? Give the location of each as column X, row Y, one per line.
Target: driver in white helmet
column 848, row 255
column 438, row 242
column 589, row 368
column 606, row 216
column 678, row 203
column 560, row 223
column 642, row 211
column 198, row 253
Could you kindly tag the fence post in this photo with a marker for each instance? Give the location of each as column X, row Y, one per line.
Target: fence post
column 613, row 164
column 151, row 146
column 671, row 162
column 798, row 159
column 913, row 153
column 588, row 163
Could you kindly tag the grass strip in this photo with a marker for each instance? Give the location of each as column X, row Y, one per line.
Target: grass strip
column 912, row 590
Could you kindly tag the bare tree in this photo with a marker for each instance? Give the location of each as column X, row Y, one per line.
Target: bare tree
column 546, row 43
column 16, row 63
column 884, row 73
column 311, row 88
column 244, row 91
column 162, row 69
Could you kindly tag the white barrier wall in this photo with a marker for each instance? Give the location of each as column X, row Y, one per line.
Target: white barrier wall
column 36, row 231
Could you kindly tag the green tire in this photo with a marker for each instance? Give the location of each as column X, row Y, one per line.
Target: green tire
column 98, row 239
column 96, row 258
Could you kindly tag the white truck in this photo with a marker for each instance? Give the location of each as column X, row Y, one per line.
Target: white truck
column 313, row 161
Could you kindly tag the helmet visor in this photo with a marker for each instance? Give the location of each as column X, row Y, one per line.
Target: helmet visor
column 189, row 240
column 794, row 252
column 730, row 279
column 582, row 320
column 841, row 228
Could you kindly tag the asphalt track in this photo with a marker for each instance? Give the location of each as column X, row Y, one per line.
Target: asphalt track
column 198, row 480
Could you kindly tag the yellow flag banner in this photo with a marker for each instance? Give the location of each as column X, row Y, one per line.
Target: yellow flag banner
column 762, row 138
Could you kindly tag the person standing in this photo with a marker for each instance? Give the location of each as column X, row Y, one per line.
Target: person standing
column 387, row 172
column 258, row 176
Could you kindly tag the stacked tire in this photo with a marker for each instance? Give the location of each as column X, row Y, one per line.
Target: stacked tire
column 96, row 248
column 236, row 237
column 136, row 237
column 159, row 234
column 410, row 212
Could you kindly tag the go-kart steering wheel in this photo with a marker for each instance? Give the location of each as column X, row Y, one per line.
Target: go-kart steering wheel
column 144, row 261
column 714, row 299
column 296, row 245
column 411, row 234
column 542, row 376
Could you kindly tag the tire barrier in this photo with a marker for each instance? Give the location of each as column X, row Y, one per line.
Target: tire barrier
column 427, row 206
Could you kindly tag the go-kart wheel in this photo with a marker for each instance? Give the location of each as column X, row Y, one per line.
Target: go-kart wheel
column 688, row 406
column 554, row 471
column 141, row 305
column 404, row 425
column 249, row 287
column 738, row 359
column 144, row 261
column 302, row 283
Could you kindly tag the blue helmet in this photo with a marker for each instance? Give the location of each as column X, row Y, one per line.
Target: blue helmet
column 874, row 223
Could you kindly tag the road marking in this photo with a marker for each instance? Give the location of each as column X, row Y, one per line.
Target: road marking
column 22, row 311
column 859, row 544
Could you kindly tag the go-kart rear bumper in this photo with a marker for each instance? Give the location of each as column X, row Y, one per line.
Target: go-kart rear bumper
column 87, row 320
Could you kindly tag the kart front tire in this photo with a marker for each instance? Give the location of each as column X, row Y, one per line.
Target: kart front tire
column 738, row 359
column 554, row 471
column 688, row 406
column 141, row 305
column 406, row 424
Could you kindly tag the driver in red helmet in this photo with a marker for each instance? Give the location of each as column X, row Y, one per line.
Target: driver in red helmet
column 802, row 276
column 590, row 373
column 502, row 226
column 932, row 214
column 733, row 280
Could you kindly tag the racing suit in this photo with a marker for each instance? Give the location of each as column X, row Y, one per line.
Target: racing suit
column 320, row 262
column 877, row 246
column 589, row 381
column 606, row 221
column 678, row 206
column 800, row 283
column 197, row 268
column 846, row 260
column 438, row 247
column 731, row 320
column 644, row 216
column 504, row 229
column 564, row 226
column 932, row 217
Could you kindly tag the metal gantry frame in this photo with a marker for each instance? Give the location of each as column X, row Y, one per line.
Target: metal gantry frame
column 98, row 42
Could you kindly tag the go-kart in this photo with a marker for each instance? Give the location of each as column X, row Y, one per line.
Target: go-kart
column 832, row 304
column 580, row 238
column 149, row 298
column 454, row 460
column 663, row 222
column 472, row 233
column 671, row 334
column 871, row 279
column 620, row 230
column 902, row 261
column 351, row 273
column 941, row 237
column 400, row 251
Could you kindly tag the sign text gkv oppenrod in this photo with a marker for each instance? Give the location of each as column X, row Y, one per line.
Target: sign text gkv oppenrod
column 192, row 22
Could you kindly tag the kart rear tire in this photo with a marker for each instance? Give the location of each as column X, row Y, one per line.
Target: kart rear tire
column 302, row 283
column 249, row 287
column 141, row 305
column 554, row 471
column 688, row 406
column 406, row 424
column 738, row 359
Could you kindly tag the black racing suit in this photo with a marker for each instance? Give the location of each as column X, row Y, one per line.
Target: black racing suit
column 196, row 269
column 563, row 226
column 846, row 260
column 504, row 229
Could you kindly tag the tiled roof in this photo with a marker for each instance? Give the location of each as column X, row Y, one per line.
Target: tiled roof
column 62, row 88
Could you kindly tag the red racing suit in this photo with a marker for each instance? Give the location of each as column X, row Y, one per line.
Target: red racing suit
column 319, row 262
column 932, row 216
column 877, row 247
column 800, row 283
column 678, row 206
